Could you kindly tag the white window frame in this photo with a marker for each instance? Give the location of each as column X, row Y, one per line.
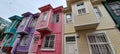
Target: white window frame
column 23, row 21
column 48, row 49
column 66, row 20
column 97, row 10
column 82, row 7
column 24, row 40
column 32, row 22
column 44, row 16
column 106, row 38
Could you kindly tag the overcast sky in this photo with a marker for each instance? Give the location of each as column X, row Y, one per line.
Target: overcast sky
column 9, row 8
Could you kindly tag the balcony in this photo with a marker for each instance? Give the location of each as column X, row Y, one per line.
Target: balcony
column 23, row 26
column 84, row 22
column 22, row 30
column 86, row 26
column 22, row 48
column 44, row 28
column 10, row 31
column 46, row 24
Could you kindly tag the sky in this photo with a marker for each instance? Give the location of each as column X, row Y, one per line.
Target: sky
column 9, row 8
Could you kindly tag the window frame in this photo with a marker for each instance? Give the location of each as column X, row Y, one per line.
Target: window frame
column 29, row 24
column 32, row 22
column 109, row 42
column 55, row 18
column 83, row 7
column 48, row 49
column 24, row 20
column 44, row 14
column 10, row 39
column 67, row 18
column 26, row 40
column 98, row 11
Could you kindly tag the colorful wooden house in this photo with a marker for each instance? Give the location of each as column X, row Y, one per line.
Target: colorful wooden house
column 48, row 34
column 10, row 34
column 25, row 33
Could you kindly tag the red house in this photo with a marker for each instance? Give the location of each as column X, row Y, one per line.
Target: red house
column 48, row 34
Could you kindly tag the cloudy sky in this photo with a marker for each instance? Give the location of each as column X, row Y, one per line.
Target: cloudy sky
column 9, row 8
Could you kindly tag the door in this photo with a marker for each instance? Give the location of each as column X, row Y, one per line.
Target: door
column 71, row 46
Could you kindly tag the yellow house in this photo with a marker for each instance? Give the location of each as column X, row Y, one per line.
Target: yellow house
column 89, row 29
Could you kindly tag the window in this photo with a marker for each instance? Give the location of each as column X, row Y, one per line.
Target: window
column 44, row 16
column 99, row 43
column 81, row 8
column 32, row 22
column 70, row 39
column 16, row 26
column 98, row 13
column 115, row 6
column 23, row 21
column 24, row 40
column 49, row 42
column 68, row 18
column 9, row 39
column 56, row 18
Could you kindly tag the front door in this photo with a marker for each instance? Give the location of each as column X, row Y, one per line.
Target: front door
column 71, row 46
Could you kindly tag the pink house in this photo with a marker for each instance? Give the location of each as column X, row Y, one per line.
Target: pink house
column 48, row 35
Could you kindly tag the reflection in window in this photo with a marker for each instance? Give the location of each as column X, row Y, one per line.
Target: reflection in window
column 68, row 18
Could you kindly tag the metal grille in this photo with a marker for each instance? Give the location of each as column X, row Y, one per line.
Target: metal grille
column 99, row 43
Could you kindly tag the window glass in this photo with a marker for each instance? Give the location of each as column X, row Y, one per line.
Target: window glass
column 9, row 39
column 68, row 18
column 24, row 40
column 23, row 21
column 81, row 8
column 44, row 16
column 49, row 42
column 57, row 18
column 98, row 12
column 99, row 43
column 32, row 22
column 69, row 39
